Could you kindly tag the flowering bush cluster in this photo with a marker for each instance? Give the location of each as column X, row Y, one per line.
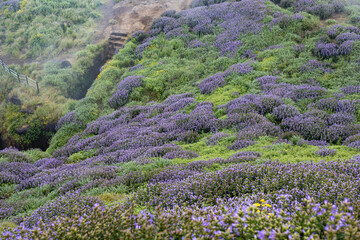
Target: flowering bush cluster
column 268, row 191
column 272, row 178
column 246, row 112
column 15, row 172
column 285, row 111
column 209, row 84
column 314, row 64
column 235, row 18
column 351, row 89
column 14, row 155
column 68, row 118
column 233, row 218
column 295, row 92
column 66, row 206
column 137, row 67
column 241, row 144
column 316, row 128
column 325, row 152
column 216, row 137
column 124, row 88
column 196, row 43
column 12, row 3
column 323, row 9
column 344, row 37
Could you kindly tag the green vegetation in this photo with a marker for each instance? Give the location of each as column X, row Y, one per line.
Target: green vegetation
column 199, row 122
column 40, row 31
column 37, row 28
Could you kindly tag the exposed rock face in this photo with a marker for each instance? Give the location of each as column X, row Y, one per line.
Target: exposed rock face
column 129, row 16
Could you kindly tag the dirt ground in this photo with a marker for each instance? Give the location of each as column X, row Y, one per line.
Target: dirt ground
column 128, row 16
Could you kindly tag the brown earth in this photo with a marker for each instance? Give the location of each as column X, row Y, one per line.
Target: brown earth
column 128, row 16
column 340, row 18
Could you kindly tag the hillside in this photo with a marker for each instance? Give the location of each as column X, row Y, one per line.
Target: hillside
column 228, row 120
column 62, row 45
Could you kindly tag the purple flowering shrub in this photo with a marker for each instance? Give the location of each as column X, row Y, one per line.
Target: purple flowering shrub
column 260, row 129
column 344, row 39
column 66, row 206
column 11, row 3
column 323, row 9
column 341, row 119
column 124, row 88
column 267, row 80
column 6, row 209
column 239, row 144
column 249, row 54
column 326, row 50
column 319, row 125
column 299, row 48
column 314, row 64
column 283, row 179
column 47, row 163
column 355, row 144
column 136, row 67
column 14, row 155
column 141, row 48
column 309, row 127
column 139, row 36
column 285, row 111
column 209, row 84
column 142, row 131
column 323, row 152
column 260, row 218
column 176, row 191
column 353, row 141
column 351, row 89
column 199, row 3
column 338, row 106
column 15, row 172
column 252, row 103
column 180, row 172
column 295, row 92
column 234, row 18
column 215, row 138
column 181, row 154
column 339, row 132
column 317, row 143
column 196, row 44
column 68, row 118
column 239, row 68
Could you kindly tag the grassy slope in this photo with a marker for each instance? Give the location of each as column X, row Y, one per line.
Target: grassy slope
column 35, row 33
column 48, row 28
column 172, row 68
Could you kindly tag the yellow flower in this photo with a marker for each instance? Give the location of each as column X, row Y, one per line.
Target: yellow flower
column 262, row 200
column 22, row 6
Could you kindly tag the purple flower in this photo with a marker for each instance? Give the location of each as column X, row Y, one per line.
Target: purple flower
column 124, row 88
